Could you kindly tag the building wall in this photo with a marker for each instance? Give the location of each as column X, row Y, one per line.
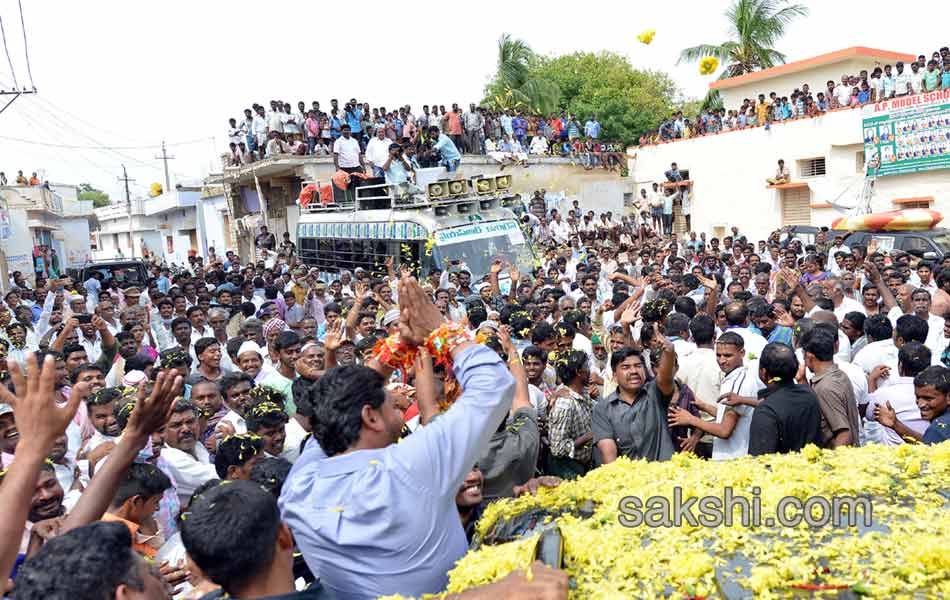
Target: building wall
column 784, row 83
column 729, row 172
column 19, row 248
column 211, row 226
column 76, row 249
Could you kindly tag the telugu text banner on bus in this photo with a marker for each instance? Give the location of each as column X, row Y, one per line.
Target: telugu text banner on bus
column 909, row 134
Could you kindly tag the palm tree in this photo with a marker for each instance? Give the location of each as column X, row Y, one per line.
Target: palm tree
column 514, row 87
column 754, row 27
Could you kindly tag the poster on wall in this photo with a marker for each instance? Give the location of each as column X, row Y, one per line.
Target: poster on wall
column 909, row 134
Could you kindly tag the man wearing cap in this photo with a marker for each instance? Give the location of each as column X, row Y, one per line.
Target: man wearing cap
column 250, row 359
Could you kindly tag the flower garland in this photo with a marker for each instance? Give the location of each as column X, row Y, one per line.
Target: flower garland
column 903, row 554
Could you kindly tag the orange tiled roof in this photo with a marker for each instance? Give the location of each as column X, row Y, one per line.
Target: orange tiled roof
column 809, row 63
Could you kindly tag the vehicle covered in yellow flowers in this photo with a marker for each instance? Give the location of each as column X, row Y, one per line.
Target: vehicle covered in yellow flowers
column 900, row 552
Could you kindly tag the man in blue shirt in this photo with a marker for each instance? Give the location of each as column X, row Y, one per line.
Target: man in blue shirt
column 446, row 147
column 373, row 517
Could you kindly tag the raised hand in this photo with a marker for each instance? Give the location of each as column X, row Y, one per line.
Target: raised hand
column 504, row 338
column 496, row 267
column 334, row 336
column 419, row 316
column 39, row 418
column 514, row 273
column 783, row 318
column 152, row 411
column 631, row 314
column 709, row 283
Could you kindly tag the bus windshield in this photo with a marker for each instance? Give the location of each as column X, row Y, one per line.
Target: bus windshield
column 477, row 245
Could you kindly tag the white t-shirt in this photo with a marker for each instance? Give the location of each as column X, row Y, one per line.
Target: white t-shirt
column 377, row 151
column 745, row 384
column 349, row 151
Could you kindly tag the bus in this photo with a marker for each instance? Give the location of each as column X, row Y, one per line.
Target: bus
column 451, row 225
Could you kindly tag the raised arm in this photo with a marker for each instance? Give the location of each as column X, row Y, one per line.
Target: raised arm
column 150, row 414
column 875, row 276
column 68, row 328
column 39, row 420
column 353, row 316
column 443, row 453
column 667, row 368
column 522, row 397
column 426, row 396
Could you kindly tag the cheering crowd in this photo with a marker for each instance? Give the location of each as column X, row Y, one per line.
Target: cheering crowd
column 508, row 136
column 852, row 91
column 245, row 429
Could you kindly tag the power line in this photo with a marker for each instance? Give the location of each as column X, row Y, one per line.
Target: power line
column 26, row 49
column 77, row 147
column 6, row 49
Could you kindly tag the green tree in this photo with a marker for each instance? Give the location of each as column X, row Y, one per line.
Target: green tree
column 628, row 102
column 514, row 85
column 755, row 26
column 98, row 197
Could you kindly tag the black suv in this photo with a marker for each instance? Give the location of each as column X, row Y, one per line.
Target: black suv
column 931, row 244
column 122, row 270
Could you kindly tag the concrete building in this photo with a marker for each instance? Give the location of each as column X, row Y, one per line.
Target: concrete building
column 815, row 72
column 164, row 226
column 825, row 156
column 279, row 181
column 50, row 216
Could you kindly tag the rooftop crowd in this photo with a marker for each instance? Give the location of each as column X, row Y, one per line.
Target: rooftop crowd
column 852, row 91
column 508, row 136
column 362, row 423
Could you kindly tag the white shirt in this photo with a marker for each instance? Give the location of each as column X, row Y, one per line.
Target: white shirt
column 883, row 352
column 348, row 151
column 683, row 348
column 294, row 436
column 700, row 371
column 843, row 93
column 377, row 151
column 901, row 80
column 235, row 420
column 848, row 305
column 559, row 230
column 745, row 384
column 92, row 347
column 754, row 343
column 900, row 394
column 188, row 471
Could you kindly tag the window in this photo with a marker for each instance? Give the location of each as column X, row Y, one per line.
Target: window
column 914, row 204
column 916, row 245
column 334, row 255
column 859, row 162
column 812, row 167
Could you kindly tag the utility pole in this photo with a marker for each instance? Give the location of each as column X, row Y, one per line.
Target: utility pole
column 128, row 203
column 14, row 93
column 165, row 158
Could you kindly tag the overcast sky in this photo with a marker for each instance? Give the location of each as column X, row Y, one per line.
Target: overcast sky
column 123, row 74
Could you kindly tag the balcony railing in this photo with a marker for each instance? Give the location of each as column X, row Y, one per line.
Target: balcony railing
column 33, row 198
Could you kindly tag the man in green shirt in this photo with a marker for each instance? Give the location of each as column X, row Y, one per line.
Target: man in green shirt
column 281, row 379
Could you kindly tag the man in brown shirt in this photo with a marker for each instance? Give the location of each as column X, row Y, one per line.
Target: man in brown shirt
column 840, row 425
